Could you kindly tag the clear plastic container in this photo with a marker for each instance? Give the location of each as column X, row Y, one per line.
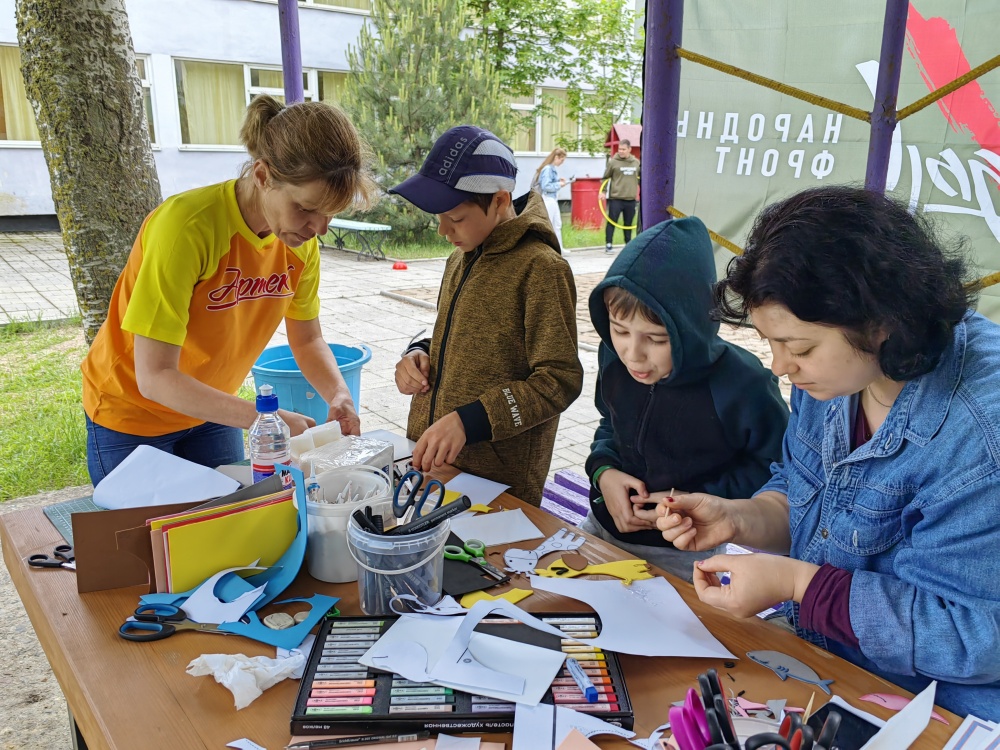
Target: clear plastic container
column 269, row 436
column 392, row 565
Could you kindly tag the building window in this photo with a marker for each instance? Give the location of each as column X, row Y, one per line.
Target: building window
column 526, row 137
column 147, row 95
column 544, row 126
column 17, row 120
column 355, row 4
column 555, row 121
column 212, row 97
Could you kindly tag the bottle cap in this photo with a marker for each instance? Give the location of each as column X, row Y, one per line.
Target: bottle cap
column 267, row 400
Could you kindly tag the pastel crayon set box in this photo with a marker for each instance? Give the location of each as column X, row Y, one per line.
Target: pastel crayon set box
column 337, row 694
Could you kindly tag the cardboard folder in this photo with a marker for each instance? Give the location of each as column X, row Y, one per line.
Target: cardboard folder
column 113, row 547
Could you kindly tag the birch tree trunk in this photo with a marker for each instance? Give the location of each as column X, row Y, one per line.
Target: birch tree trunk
column 79, row 72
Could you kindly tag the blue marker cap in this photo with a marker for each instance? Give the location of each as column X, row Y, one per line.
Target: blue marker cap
column 581, row 679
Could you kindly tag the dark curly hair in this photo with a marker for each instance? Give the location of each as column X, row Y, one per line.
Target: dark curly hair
column 859, row 261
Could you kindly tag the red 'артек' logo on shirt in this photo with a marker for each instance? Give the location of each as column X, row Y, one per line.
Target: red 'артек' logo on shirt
column 238, row 289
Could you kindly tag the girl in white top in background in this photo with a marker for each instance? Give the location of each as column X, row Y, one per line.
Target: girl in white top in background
column 549, row 182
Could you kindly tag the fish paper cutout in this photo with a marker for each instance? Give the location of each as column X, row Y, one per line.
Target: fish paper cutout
column 897, row 703
column 786, row 666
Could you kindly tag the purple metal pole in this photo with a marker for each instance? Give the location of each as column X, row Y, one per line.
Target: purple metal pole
column 886, row 94
column 661, row 89
column 291, row 51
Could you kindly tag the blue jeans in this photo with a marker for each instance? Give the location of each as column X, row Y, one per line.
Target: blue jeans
column 208, row 444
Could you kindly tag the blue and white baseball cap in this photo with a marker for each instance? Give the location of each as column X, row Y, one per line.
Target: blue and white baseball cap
column 463, row 161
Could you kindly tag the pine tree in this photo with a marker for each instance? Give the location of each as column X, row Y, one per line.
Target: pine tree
column 416, row 72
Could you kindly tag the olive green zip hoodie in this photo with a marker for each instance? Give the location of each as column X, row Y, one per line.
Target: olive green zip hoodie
column 504, row 352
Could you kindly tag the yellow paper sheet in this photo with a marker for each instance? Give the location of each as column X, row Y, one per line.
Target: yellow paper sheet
column 201, row 549
column 156, row 523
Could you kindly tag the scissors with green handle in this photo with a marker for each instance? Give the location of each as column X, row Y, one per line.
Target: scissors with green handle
column 474, row 551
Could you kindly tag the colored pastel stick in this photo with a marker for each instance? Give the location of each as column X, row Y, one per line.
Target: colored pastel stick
column 341, row 701
column 334, row 684
column 339, row 692
column 333, row 710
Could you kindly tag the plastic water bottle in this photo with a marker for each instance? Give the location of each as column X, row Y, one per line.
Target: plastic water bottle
column 269, row 436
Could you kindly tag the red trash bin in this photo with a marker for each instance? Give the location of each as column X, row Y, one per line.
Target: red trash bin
column 586, row 211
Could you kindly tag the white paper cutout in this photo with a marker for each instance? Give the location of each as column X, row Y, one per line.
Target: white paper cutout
column 204, row 606
column 525, row 561
column 534, row 726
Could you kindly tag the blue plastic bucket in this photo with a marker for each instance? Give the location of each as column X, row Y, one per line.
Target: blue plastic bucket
column 277, row 366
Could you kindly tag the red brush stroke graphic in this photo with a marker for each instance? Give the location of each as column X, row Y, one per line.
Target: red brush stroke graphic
column 934, row 44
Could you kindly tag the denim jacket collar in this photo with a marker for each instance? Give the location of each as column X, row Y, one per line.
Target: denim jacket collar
column 917, row 413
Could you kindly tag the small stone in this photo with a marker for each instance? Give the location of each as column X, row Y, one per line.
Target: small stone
column 279, row 621
column 301, row 616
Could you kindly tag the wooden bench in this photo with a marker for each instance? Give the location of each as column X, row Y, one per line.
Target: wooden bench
column 369, row 236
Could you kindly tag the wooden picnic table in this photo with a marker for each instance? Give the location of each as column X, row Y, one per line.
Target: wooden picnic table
column 369, row 236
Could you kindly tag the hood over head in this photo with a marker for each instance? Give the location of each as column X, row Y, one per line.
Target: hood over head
column 671, row 269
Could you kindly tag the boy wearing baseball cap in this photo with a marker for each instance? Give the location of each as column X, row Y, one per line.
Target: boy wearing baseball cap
column 502, row 364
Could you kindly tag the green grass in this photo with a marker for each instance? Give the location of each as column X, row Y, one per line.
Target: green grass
column 43, row 439
column 572, row 238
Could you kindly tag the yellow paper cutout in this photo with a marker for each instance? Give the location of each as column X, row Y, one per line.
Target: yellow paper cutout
column 480, row 508
column 201, row 549
column 626, row 570
column 513, row 596
column 450, row 496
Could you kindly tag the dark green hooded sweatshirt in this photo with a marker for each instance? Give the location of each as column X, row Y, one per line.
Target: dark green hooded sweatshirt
column 717, row 421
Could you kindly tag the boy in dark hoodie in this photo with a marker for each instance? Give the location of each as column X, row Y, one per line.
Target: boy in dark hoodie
column 502, row 364
column 680, row 407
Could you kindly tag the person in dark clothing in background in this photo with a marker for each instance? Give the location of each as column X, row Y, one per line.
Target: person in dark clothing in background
column 680, row 407
column 623, row 192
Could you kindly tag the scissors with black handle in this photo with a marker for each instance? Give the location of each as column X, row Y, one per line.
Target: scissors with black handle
column 157, row 621
column 417, row 497
column 62, row 557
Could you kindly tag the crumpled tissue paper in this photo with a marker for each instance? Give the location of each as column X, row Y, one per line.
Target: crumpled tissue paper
column 245, row 677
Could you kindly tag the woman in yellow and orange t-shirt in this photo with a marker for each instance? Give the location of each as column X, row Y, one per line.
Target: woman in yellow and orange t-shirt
column 212, row 273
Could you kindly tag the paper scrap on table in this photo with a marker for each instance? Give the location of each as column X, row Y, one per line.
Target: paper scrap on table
column 304, row 649
column 246, row 678
column 150, row 476
column 496, row 528
column 576, row 741
column 477, row 489
column 975, row 734
column 534, row 726
column 648, row 618
column 653, row 741
column 204, row 606
column 245, row 744
column 448, row 742
column 903, row 729
column 447, row 651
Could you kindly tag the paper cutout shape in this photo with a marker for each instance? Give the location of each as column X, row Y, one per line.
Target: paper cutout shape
column 477, row 489
column 289, row 638
column 445, row 650
column 496, row 528
column 477, row 508
column 204, row 606
column 576, row 741
column 627, row 570
column 525, row 561
column 634, row 618
column 903, row 729
column 513, row 596
column 150, row 476
column 786, row 666
column 897, row 703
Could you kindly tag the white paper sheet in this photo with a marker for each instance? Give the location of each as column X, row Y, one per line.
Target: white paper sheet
column 535, row 728
column 648, row 618
column 903, row 729
column 150, row 476
column 974, row 734
column 444, row 650
column 245, row 744
column 506, row 527
column 477, row 489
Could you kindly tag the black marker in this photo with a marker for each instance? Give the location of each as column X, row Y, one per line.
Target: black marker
column 433, row 518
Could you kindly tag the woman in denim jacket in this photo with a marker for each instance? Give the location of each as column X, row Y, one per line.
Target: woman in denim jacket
column 549, row 183
column 887, row 502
